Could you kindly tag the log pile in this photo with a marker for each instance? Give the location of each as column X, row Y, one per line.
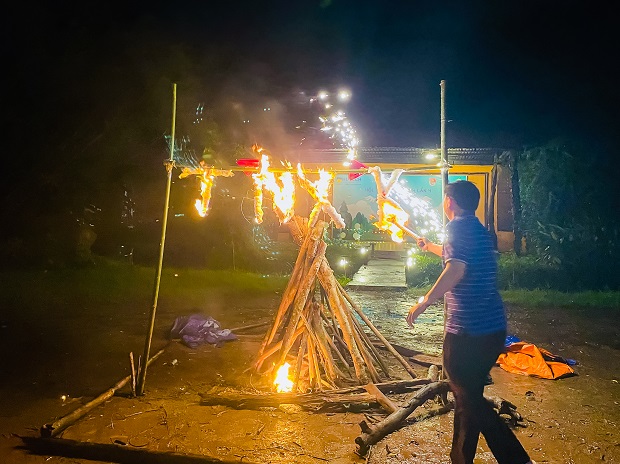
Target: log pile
column 314, row 329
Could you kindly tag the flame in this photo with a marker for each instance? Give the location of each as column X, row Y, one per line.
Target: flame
column 282, row 382
column 319, row 190
column 206, row 184
column 207, row 176
column 390, row 214
column 281, row 187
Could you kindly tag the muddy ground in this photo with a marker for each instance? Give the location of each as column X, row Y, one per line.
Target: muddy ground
column 53, row 364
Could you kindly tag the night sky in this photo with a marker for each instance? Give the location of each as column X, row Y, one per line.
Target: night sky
column 518, row 73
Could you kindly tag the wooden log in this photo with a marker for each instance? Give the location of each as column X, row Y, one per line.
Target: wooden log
column 108, row 452
column 505, row 407
column 325, row 399
column 330, row 284
column 370, row 367
column 371, row 434
column 371, row 347
column 301, row 299
column 313, row 370
column 365, row 346
column 53, row 429
column 132, row 374
column 394, row 386
column 379, row 335
column 383, row 400
column 289, row 293
column 300, row 357
column 271, row 350
column 335, row 334
column 243, row 328
column 414, row 356
column 320, row 343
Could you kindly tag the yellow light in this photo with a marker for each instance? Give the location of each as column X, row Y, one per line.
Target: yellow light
column 282, row 382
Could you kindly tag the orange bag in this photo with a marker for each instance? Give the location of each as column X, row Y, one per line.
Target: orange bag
column 527, row 359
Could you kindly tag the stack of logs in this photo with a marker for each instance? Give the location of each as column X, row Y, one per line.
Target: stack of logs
column 314, row 329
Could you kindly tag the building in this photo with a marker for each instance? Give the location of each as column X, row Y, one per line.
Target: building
column 488, row 168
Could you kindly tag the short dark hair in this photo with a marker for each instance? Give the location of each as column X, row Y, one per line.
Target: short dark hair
column 465, row 193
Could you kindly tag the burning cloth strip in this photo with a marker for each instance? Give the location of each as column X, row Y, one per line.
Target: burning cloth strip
column 207, row 177
column 319, row 190
column 392, row 218
column 281, row 187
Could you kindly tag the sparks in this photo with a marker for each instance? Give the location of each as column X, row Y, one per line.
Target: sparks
column 391, row 217
column 335, row 123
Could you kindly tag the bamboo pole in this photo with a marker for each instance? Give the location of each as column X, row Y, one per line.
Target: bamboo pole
column 53, row 429
column 162, row 243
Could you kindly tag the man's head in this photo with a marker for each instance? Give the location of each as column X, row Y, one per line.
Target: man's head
column 461, row 197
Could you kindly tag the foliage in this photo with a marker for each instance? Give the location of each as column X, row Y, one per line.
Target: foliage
column 114, row 282
column 514, row 272
column 566, row 215
column 425, row 269
column 351, row 252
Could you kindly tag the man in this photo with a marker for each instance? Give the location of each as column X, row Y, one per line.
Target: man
column 475, row 329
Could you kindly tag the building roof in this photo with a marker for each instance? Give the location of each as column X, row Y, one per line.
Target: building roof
column 397, row 155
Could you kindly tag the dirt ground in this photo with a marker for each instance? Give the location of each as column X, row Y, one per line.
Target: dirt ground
column 571, row 420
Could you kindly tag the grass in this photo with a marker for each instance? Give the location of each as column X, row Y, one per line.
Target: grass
column 113, row 281
column 557, row 299
column 548, row 298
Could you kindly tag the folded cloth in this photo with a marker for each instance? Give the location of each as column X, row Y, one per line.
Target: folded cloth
column 195, row 330
column 528, row 359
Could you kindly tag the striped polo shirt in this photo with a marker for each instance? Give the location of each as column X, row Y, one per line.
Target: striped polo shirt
column 474, row 306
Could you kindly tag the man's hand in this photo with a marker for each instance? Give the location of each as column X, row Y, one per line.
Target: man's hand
column 426, row 245
column 416, row 310
column 423, row 243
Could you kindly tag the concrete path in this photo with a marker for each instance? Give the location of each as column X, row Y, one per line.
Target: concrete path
column 384, row 271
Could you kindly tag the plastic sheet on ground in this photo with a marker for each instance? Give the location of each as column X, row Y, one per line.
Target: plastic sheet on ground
column 197, row 329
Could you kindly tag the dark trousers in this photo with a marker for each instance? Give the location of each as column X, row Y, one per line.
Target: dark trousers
column 467, row 361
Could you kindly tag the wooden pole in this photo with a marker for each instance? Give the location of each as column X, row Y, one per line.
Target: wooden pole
column 169, row 167
column 444, row 172
column 379, row 335
column 372, row 434
column 53, row 429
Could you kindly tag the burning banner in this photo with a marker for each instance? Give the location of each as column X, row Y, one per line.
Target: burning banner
column 281, row 187
column 207, row 176
column 392, row 218
column 319, row 190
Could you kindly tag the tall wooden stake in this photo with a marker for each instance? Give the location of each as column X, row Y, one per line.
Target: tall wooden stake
column 444, row 171
column 169, row 167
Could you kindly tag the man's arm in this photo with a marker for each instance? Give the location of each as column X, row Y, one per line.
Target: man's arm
column 451, row 275
column 427, row 245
